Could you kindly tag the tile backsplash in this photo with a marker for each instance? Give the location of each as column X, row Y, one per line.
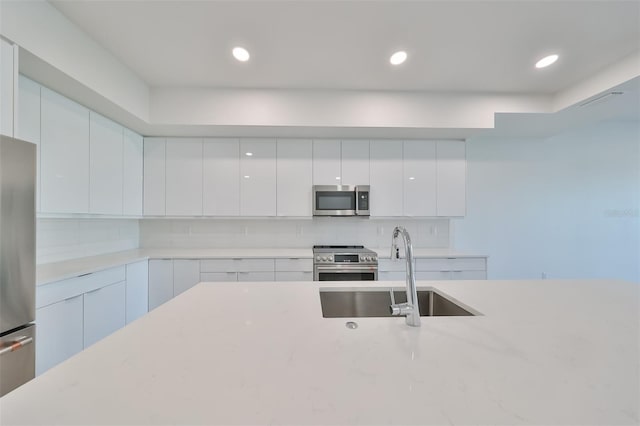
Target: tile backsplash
column 283, row 233
column 63, row 239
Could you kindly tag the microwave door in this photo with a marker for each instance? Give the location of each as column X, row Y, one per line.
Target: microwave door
column 335, row 203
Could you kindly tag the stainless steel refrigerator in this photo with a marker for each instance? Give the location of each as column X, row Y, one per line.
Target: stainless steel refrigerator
column 17, row 262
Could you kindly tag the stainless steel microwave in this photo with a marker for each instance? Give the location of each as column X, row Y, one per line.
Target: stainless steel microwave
column 341, row 200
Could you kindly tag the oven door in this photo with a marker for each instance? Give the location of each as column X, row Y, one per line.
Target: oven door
column 334, row 200
column 345, row 273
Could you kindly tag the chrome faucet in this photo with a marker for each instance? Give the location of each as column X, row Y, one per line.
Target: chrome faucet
column 410, row 309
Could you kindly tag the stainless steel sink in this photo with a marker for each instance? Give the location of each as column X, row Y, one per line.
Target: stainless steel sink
column 341, row 303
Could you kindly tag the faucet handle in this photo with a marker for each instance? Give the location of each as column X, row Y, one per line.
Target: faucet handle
column 401, row 309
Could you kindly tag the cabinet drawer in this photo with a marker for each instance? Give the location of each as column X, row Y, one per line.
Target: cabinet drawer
column 468, row 275
column 294, row 265
column 256, row 276
column 236, row 265
column 388, row 265
column 294, row 276
column 433, row 275
column 452, row 264
column 61, row 290
column 392, row 276
column 218, row 276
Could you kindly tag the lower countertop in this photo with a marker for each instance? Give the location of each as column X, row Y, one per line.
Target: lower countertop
column 50, row 272
column 542, row 352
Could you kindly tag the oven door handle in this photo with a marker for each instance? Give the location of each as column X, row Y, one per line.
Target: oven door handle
column 353, row 268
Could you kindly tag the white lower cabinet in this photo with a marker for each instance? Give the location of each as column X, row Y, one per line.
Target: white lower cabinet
column 218, row 277
column 104, row 312
column 186, row 274
column 435, row 269
column 137, row 296
column 59, row 332
column 256, row 276
column 160, row 282
column 294, row 275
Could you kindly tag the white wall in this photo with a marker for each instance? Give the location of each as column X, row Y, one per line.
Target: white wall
column 38, row 27
column 63, row 239
column 566, row 206
column 285, row 233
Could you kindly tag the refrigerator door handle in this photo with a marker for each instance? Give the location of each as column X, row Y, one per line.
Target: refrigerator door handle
column 15, row 345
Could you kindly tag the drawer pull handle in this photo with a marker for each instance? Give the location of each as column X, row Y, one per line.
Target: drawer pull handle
column 93, row 291
column 15, row 345
column 84, row 275
column 237, row 258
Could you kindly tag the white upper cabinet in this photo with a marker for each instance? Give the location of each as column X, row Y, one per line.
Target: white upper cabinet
column 294, row 177
column 105, row 166
column 132, row 169
column 386, row 197
column 257, row 177
column 154, row 176
column 28, row 110
column 29, row 121
column 326, row 162
column 64, row 151
column 8, row 86
column 184, row 177
column 221, row 177
column 451, row 178
column 355, row 162
column 419, row 178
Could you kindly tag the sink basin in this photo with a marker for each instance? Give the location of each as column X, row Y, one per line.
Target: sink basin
column 349, row 303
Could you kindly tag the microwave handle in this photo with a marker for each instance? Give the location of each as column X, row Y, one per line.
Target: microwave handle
column 357, row 201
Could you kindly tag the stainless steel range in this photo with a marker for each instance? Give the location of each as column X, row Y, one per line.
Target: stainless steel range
column 344, row 263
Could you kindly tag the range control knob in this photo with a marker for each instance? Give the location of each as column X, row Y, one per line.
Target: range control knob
column 324, row 258
column 331, row 258
column 318, row 258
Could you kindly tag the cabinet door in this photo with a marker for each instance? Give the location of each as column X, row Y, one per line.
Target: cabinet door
column 104, row 312
column 7, row 87
column 160, row 282
column 419, row 177
column 294, row 276
column 294, row 177
column 258, row 177
column 132, row 173
column 105, row 165
column 184, row 177
column 154, row 176
column 221, row 177
column 386, row 196
column 326, row 162
column 137, row 296
column 186, row 274
column 355, row 162
column 59, row 332
column 451, row 178
column 29, row 121
column 64, row 154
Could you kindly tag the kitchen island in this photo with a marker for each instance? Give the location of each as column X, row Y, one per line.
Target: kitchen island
column 542, row 352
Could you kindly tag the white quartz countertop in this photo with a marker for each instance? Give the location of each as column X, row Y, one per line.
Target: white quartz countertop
column 543, row 352
column 385, row 253
column 51, row 272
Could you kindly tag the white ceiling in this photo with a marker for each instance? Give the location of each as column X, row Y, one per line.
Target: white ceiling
column 459, row 46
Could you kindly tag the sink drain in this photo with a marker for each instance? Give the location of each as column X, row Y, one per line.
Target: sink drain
column 352, row 325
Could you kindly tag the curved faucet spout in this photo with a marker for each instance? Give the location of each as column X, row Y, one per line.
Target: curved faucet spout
column 410, row 309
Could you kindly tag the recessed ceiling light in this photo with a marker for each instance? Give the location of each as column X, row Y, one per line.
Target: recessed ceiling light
column 247, row 176
column 337, row 177
column 248, row 154
column 398, row 57
column 546, row 61
column 241, row 54
column 412, row 178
